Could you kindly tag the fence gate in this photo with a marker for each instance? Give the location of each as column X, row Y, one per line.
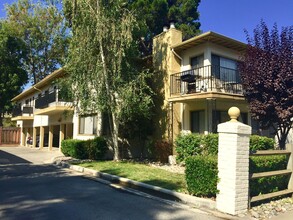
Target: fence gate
column 9, row 135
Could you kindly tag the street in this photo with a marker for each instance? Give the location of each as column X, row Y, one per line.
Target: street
column 43, row 191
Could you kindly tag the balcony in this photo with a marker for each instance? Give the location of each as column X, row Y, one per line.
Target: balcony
column 50, row 103
column 26, row 113
column 206, row 79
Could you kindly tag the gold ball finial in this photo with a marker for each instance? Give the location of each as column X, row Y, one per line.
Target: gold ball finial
column 234, row 113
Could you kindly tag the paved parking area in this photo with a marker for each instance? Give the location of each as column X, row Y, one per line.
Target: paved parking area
column 27, row 155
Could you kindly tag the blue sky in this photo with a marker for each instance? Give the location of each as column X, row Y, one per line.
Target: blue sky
column 230, row 17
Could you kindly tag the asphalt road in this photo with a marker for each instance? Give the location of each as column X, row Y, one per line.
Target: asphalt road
column 43, row 191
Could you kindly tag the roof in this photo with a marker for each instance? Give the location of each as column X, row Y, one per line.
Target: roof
column 38, row 86
column 210, row 37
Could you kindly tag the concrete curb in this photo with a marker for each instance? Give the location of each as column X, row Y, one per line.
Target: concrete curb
column 150, row 189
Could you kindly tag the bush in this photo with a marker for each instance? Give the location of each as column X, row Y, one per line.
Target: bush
column 187, row 145
column 90, row 149
column 162, row 151
column 196, row 144
column 261, row 143
column 267, row 184
column 201, row 175
column 96, row 148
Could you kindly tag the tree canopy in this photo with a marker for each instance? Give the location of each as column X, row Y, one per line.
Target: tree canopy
column 101, row 64
column 153, row 15
column 12, row 75
column 267, row 76
column 41, row 27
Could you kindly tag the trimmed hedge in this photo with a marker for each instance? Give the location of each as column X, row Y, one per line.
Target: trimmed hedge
column 265, row 185
column 196, row 144
column 261, row 143
column 94, row 149
column 201, row 175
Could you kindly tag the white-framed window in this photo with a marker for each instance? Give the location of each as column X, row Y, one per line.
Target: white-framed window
column 88, row 124
column 225, row 69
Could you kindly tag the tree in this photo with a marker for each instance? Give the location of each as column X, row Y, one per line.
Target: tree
column 155, row 14
column 12, row 75
column 267, row 76
column 101, row 63
column 41, row 26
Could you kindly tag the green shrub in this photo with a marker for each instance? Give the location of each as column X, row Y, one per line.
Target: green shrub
column 90, row 149
column 261, row 143
column 267, row 184
column 196, row 144
column 201, row 174
column 209, row 144
column 187, row 145
column 96, row 148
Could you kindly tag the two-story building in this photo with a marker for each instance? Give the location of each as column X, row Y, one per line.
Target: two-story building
column 201, row 80
column 47, row 118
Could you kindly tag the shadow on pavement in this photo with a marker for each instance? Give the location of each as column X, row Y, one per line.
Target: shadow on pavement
column 7, row 158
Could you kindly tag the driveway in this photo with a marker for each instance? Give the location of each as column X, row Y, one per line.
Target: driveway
column 32, row 189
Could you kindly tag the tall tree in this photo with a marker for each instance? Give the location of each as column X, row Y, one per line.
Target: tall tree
column 155, row 14
column 267, row 76
column 12, row 75
column 101, row 63
column 41, row 26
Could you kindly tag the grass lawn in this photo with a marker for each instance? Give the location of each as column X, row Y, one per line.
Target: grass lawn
column 142, row 173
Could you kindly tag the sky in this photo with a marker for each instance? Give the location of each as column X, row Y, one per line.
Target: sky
column 231, row 17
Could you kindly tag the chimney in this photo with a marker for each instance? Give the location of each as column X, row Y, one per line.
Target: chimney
column 172, row 25
column 165, row 29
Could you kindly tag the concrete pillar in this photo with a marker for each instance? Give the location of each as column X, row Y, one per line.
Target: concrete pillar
column 61, row 134
column 41, row 140
column 34, row 137
column 23, row 137
column 50, row 141
column 233, row 165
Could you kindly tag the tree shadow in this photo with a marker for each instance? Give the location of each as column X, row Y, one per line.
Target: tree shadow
column 7, row 158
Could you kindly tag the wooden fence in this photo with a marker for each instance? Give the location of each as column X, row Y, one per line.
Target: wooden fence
column 288, row 171
column 9, row 135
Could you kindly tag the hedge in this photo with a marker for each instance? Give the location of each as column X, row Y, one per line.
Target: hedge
column 94, row 149
column 201, row 175
column 265, row 185
column 197, row 144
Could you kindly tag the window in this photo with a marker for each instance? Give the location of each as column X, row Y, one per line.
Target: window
column 88, row 124
column 225, row 69
column 197, row 65
column 197, row 121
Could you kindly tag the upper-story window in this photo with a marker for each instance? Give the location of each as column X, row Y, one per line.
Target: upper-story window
column 225, row 69
column 88, row 124
column 196, row 62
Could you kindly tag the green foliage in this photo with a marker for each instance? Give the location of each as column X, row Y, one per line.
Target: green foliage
column 94, row 149
column 261, row 143
column 267, row 184
column 196, row 144
column 202, row 175
column 41, row 27
column 12, row 74
column 101, row 63
column 154, row 15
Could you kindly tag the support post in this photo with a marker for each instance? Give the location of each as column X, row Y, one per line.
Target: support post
column 61, row 135
column 289, row 147
column 41, row 140
column 34, row 137
column 233, row 165
column 50, row 141
column 23, row 138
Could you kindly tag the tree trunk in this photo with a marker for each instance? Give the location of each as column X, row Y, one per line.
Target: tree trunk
column 115, row 138
column 1, row 120
column 282, row 137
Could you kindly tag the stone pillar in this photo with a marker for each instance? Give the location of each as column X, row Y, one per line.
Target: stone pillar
column 61, row 135
column 289, row 147
column 41, row 139
column 34, row 137
column 23, row 138
column 50, row 141
column 233, row 165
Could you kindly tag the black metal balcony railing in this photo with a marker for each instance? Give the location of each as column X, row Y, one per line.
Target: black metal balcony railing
column 44, row 100
column 25, row 110
column 206, row 79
